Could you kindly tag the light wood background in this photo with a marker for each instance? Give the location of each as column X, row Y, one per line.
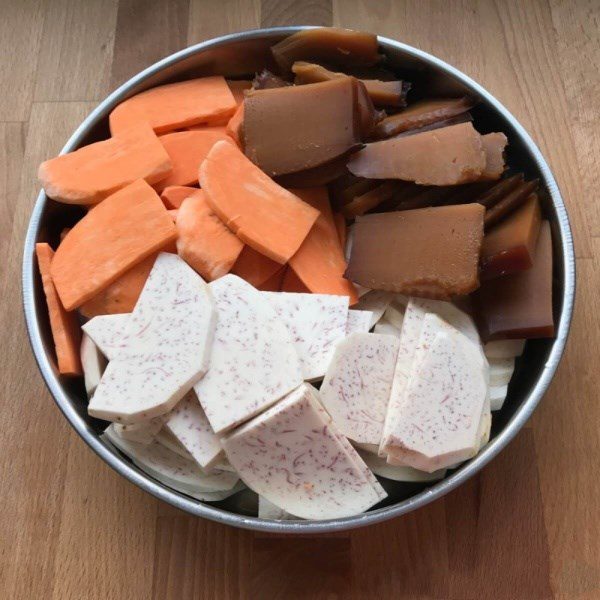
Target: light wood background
column 527, row 527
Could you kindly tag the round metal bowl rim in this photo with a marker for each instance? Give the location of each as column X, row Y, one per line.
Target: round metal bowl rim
column 204, row 510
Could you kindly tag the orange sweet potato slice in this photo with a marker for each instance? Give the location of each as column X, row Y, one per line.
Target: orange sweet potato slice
column 119, row 233
column 261, row 213
column 65, row 329
column 254, row 267
column 122, row 294
column 275, row 282
column 292, row 283
column 320, row 263
column 203, row 241
column 340, row 225
column 234, row 127
column 206, row 100
column 94, row 172
column 187, row 150
column 174, row 195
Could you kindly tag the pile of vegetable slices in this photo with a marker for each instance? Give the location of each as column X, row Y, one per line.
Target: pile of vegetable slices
column 296, row 283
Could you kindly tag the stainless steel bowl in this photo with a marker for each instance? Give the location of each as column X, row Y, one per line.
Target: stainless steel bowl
column 241, row 54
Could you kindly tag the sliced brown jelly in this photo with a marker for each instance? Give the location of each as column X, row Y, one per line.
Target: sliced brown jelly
column 520, row 305
column 382, row 93
column 291, row 129
column 492, row 196
column 430, row 252
column 367, row 114
column 369, row 200
column 493, row 145
column 340, row 47
column 509, row 247
column 509, row 203
column 265, row 80
column 316, row 176
column 447, row 156
column 421, row 114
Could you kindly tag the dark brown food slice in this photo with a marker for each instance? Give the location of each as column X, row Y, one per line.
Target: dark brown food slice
column 501, row 189
column 265, row 80
column 341, row 47
column 357, row 188
column 447, row 156
column 510, row 202
column 371, row 199
column 382, row 93
column 421, row 114
column 520, row 305
column 316, row 176
column 431, row 252
column 296, row 128
column 493, row 145
column 464, row 118
column 367, row 114
column 510, row 246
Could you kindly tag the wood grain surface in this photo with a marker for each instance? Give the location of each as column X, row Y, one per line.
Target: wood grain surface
column 527, row 527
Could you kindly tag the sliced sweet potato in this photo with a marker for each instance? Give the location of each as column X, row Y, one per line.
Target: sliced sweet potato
column 203, row 241
column 320, row 262
column 64, row 232
column 292, row 283
column 234, row 127
column 254, row 267
column 174, row 195
column 275, row 282
column 176, row 105
column 187, row 150
column 340, row 225
column 122, row 294
column 216, row 128
column 119, row 233
column 173, row 212
column 261, row 213
column 94, row 172
column 65, row 328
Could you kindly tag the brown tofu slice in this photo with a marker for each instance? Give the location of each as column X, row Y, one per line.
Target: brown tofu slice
column 446, row 156
column 296, row 128
column 334, row 46
column 429, row 252
column 382, row 93
column 510, row 246
column 421, row 114
column 520, row 305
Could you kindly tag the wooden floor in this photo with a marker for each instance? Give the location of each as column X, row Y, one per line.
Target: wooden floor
column 527, row 527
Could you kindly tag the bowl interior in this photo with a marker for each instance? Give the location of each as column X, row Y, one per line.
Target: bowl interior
column 239, row 56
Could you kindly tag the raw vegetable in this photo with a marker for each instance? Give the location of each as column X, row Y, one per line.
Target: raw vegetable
column 166, row 347
column 121, row 232
column 207, row 100
column 65, row 329
column 98, row 170
column 203, row 241
column 261, row 213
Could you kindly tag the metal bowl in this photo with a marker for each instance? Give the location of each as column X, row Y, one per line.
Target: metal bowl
column 238, row 55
